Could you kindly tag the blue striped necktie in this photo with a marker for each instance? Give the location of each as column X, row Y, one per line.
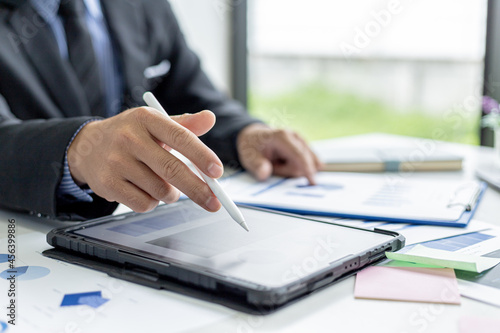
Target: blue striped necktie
column 81, row 53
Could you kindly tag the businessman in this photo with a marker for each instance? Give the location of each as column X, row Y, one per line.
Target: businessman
column 74, row 139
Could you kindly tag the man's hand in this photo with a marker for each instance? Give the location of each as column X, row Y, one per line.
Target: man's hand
column 126, row 158
column 264, row 151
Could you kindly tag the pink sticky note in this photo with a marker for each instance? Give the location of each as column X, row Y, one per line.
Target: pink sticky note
column 417, row 284
column 474, row 324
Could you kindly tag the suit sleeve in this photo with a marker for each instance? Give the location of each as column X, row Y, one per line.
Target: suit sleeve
column 32, row 155
column 187, row 89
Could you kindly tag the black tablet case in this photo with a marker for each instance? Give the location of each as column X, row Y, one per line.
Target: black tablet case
column 69, row 248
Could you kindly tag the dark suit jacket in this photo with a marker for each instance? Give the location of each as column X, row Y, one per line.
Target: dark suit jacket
column 43, row 103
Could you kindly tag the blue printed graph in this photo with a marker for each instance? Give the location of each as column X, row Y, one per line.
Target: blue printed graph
column 3, row 327
column 327, row 187
column 458, row 242
column 93, row 299
column 314, row 191
column 24, row 273
column 4, row 258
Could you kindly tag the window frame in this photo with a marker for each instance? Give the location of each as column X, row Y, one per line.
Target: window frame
column 491, row 77
column 239, row 52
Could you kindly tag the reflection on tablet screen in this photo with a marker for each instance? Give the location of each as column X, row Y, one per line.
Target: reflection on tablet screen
column 222, row 239
column 278, row 248
column 154, row 224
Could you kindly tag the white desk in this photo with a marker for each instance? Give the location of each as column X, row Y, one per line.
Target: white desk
column 331, row 309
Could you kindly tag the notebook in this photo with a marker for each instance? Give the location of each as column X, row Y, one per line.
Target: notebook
column 388, row 159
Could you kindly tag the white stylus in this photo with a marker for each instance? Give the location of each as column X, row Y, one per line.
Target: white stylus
column 214, row 185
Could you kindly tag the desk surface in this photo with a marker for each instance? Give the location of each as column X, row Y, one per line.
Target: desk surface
column 331, row 309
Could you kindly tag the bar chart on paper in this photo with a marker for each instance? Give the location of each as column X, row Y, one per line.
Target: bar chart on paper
column 363, row 196
column 459, row 242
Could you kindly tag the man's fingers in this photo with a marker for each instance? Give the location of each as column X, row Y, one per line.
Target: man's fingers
column 149, row 182
column 296, row 157
column 184, row 141
column 317, row 163
column 130, row 195
column 131, row 164
column 291, row 169
column 256, row 163
column 263, row 151
column 198, row 123
column 173, row 171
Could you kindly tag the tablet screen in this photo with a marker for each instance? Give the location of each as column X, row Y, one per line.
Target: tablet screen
column 277, row 250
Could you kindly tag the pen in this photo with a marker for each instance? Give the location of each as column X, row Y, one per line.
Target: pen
column 214, row 185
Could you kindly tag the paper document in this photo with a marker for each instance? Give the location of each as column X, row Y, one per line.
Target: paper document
column 53, row 294
column 414, row 233
column 367, row 196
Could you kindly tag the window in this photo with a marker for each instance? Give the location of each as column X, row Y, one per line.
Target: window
column 330, row 68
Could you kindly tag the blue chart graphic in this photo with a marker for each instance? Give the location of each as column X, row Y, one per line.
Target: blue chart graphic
column 93, row 299
column 314, row 191
column 152, row 224
column 24, row 273
column 458, row 242
column 3, row 327
column 4, row 258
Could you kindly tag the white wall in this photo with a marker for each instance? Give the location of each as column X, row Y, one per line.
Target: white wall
column 206, row 26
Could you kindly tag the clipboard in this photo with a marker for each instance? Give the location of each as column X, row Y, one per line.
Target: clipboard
column 356, row 196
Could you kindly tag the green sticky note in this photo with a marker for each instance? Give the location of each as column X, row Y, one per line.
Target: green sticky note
column 397, row 263
column 428, row 256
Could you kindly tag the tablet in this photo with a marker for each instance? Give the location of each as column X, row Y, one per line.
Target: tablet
column 282, row 258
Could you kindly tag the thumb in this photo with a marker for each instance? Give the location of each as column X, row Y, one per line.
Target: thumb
column 257, row 164
column 198, row 123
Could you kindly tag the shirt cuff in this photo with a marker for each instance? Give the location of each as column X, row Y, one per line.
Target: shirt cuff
column 68, row 191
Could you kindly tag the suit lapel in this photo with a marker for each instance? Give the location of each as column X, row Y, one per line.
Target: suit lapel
column 41, row 49
column 128, row 28
column 12, row 3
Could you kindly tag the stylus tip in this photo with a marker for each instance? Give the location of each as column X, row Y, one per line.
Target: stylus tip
column 244, row 225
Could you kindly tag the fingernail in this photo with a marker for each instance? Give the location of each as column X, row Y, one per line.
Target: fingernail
column 215, row 170
column 264, row 171
column 212, row 204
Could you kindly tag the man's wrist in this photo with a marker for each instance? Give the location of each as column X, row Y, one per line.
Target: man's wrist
column 77, row 149
column 68, row 190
